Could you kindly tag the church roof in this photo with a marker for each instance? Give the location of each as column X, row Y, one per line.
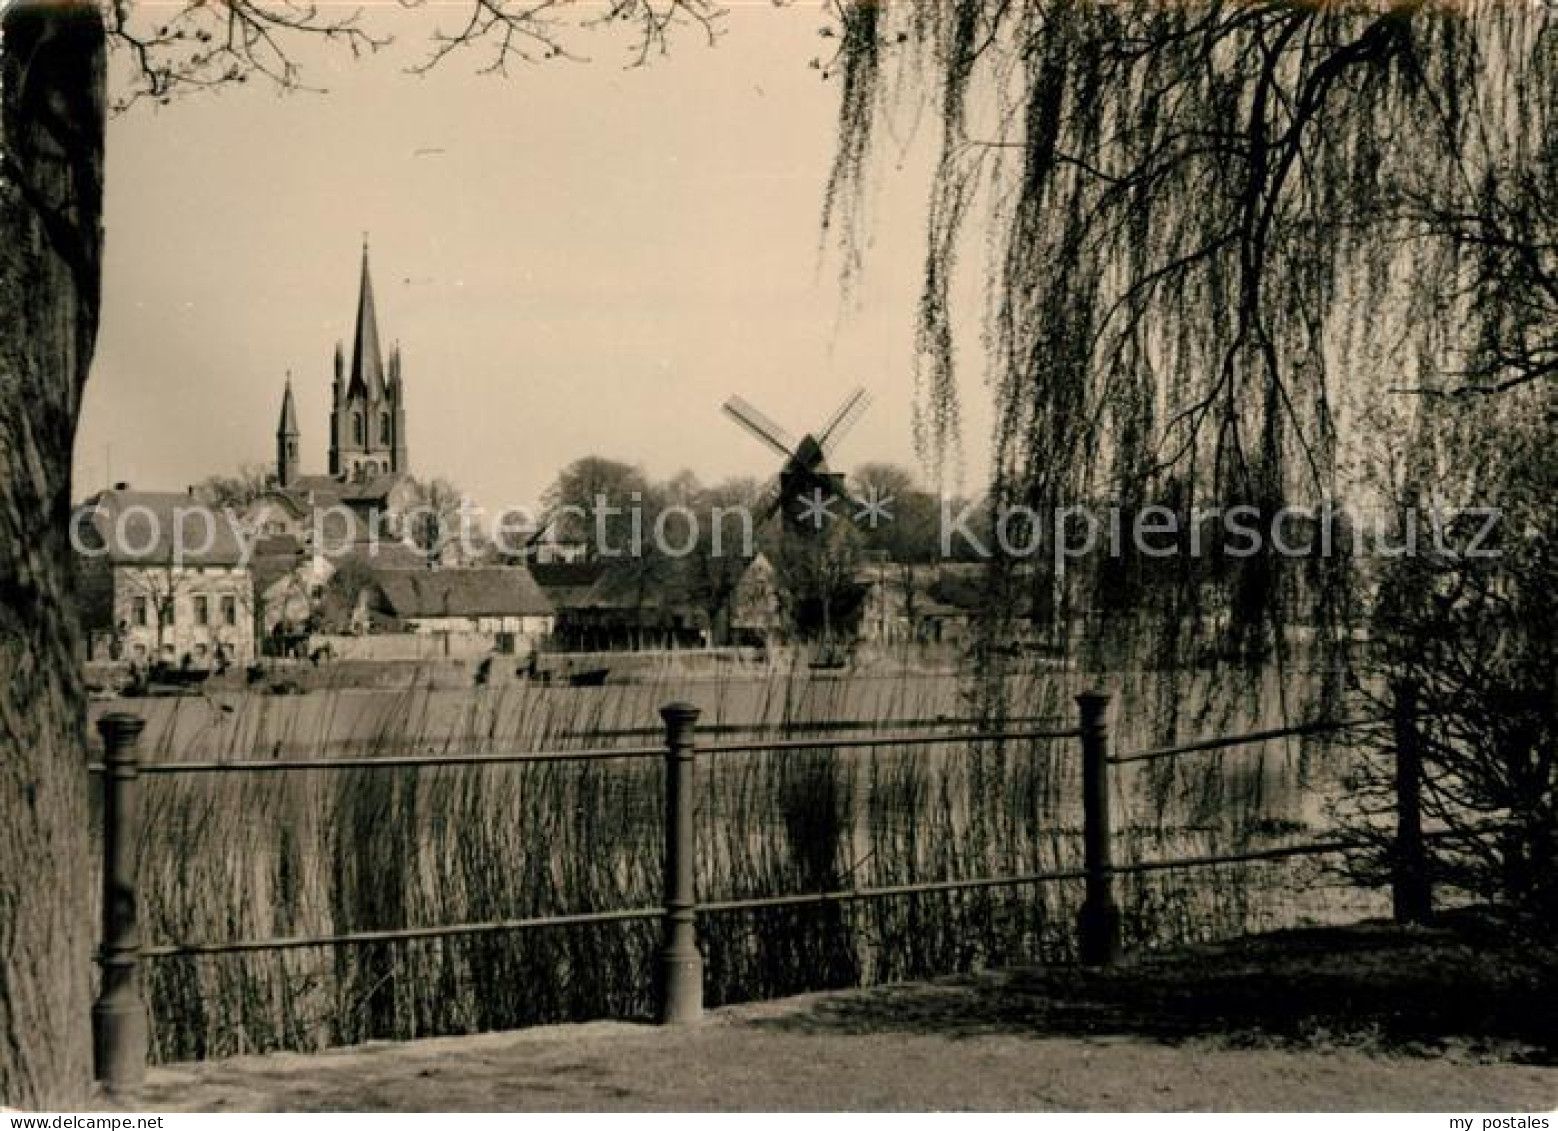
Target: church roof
column 375, row 490
column 367, row 375
column 327, row 491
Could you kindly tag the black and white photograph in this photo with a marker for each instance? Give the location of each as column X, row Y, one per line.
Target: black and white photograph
column 765, row 556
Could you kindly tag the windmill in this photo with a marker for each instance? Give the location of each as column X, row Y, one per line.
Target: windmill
column 807, row 490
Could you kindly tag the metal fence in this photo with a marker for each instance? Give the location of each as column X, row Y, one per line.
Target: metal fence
column 120, row 1023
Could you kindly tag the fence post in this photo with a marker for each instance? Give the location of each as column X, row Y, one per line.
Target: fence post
column 681, row 964
column 1098, row 923
column 1411, row 890
column 119, row 1025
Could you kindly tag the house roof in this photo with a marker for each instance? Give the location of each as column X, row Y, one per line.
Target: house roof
column 385, row 554
column 498, row 592
column 277, row 546
column 274, row 556
column 162, row 528
column 597, row 585
column 567, row 584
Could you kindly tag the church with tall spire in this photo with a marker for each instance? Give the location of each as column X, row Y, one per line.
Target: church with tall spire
column 367, row 417
column 367, row 406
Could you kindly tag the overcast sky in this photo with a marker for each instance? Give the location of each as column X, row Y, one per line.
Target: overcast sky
column 577, row 259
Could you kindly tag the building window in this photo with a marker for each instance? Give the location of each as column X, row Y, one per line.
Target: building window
column 357, row 428
column 202, row 610
column 138, row 612
column 229, row 610
column 384, row 428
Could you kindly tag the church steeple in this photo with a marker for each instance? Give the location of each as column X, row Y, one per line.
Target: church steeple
column 287, row 438
column 367, row 363
column 367, row 422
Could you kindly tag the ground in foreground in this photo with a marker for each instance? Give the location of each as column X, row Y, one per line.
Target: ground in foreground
column 752, row 1058
column 1452, row 1018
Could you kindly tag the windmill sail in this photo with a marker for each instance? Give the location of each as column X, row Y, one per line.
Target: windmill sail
column 760, row 426
column 843, row 420
column 770, row 499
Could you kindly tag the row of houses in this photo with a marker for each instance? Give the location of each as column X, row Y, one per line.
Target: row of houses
column 164, row 580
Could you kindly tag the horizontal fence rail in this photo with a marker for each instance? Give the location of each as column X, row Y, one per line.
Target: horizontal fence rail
column 778, row 744
column 608, row 753
column 120, row 1020
column 1301, row 730
column 394, row 761
column 400, row 934
column 593, row 754
column 817, row 726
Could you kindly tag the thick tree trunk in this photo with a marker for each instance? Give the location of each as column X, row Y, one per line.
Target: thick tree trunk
column 51, row 176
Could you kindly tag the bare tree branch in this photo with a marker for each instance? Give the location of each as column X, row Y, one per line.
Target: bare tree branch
column 533, row 31
column 209, row 43
column 203, row 44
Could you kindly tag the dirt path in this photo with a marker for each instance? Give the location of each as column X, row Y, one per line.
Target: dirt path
column 889, row 1048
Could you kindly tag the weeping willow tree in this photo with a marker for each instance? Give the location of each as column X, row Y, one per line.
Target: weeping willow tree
column 1219, row 234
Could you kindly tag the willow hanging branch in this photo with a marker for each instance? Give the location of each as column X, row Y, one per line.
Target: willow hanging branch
column 1205, row 219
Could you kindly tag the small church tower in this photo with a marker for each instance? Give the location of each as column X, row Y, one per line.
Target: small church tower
column 367, row 420
column 398, row 425
column 287, row 439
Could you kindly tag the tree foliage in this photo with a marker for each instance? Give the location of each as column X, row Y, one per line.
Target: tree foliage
column 1214, row 230
column 434, row 524
column 235, row 491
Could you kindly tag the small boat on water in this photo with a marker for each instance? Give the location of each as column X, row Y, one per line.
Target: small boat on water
column 162, row 680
